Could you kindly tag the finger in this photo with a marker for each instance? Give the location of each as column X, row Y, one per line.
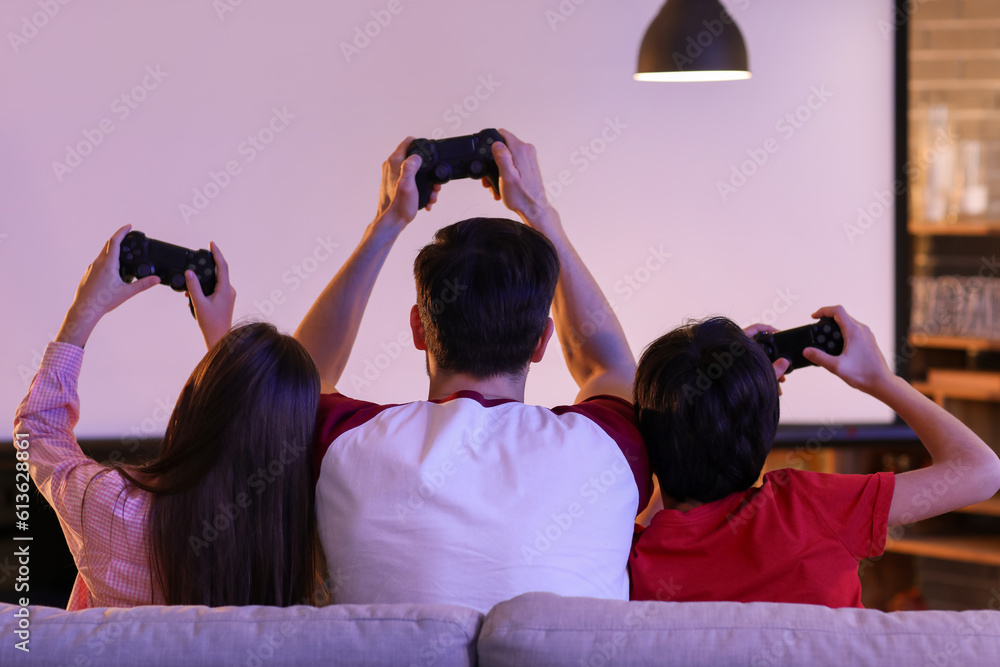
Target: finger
column 781, row 367
column 831, row 311
column 194, row 289
column 434, row 198
column 821, row 358
column 221, row 265
column 115, row 242
column 399, row 155
column 510, row 138
column 141, row 285
column 754, row 329
column 505, row 161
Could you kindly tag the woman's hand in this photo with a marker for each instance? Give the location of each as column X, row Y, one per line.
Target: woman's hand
column 100, row 291
column 215, row 311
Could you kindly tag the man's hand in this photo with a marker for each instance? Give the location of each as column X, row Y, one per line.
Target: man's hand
column 214, row 312
column 101, row 290
column 398, row 195
column 781, row 364
column 521, row 187
column 861, row 364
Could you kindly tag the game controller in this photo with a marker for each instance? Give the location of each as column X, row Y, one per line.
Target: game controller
column 824, row 335
column 445, row 160
column 140, row 257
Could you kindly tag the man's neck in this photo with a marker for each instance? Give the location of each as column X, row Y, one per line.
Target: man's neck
column 444, row 385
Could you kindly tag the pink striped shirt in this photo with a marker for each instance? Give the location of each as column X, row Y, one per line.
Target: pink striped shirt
column 107, row 534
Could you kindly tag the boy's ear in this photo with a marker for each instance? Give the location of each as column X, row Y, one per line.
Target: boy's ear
column 417, row 329
column 543, row 341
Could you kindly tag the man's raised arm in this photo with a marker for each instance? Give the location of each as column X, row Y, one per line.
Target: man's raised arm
column 593, row 343
column 329, row 329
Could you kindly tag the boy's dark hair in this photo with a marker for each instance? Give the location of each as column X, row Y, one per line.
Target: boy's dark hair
column 484, row 290
column 707, row 403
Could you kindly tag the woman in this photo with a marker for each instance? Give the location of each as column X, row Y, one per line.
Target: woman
column 223, row 515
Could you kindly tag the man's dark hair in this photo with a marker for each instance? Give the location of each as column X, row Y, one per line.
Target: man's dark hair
column 707, row 403
column 484, row 290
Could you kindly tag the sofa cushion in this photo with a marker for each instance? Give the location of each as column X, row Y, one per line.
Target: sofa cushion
column 393, row 635
column 545, row 629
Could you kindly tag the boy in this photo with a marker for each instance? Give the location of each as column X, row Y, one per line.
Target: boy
column 799, row 536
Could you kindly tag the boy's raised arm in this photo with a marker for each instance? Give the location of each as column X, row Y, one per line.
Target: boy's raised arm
column 964, row 470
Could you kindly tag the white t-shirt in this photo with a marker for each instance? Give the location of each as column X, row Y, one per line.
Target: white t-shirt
column 472, row 501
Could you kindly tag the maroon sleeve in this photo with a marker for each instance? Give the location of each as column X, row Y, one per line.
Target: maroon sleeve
column 616, row 417
column 337, row 415
column 854, row 507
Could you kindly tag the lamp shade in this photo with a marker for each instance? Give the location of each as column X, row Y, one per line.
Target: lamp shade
column 693, row 40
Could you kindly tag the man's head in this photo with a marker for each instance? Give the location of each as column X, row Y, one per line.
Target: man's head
column 707, row 402
column 484, row 290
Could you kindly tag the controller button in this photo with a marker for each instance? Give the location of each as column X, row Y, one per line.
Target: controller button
column 442, row 171
column 831, row 345
column 202, row 261
column 836, row 335
column 143, row 270
column 490, row 141
column 207, row 271
column 821, row 338
column 128, row 257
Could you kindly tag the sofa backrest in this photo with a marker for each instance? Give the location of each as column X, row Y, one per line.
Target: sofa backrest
column 438, row 635
column 546, row 629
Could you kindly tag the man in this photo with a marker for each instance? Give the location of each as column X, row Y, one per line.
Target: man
column 472, row 497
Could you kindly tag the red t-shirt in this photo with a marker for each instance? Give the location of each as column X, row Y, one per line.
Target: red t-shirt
column 797, row 538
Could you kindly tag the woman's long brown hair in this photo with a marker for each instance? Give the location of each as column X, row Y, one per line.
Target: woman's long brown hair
column 231, row 519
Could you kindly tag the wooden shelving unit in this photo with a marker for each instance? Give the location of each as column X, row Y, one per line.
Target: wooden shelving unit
column 973, row 345
column 979, row 549
column 963, row 227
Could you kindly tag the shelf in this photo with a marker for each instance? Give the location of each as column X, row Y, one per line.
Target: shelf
column 983, row 550
column 954, row 342
column 989, row 507
column 974, row 227
column 965, row 385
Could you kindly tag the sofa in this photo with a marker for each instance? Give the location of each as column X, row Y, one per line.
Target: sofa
column 531, row 629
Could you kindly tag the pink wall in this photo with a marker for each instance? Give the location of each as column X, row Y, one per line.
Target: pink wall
column 162, row 95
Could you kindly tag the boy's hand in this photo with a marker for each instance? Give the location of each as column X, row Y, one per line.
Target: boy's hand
column 215, row 311
column 781, row 364
column 398, row 193
column 861, row 364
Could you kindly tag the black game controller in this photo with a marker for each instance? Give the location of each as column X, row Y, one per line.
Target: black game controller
column 140, row 257
column 445, row 160
column 824, row 335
